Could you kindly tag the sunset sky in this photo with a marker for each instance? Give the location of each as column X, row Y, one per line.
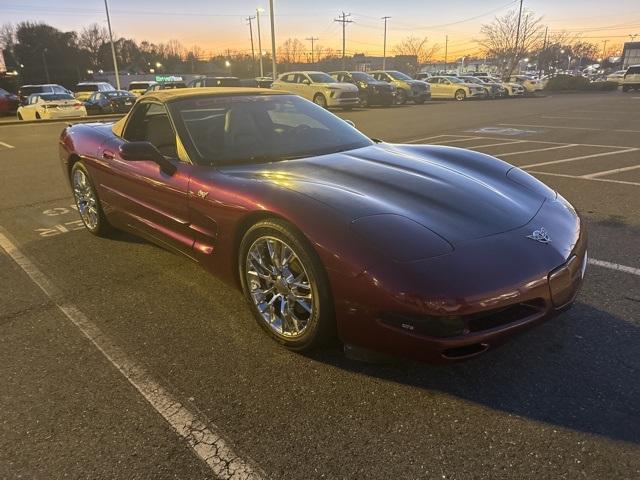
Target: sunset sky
column 219, row 25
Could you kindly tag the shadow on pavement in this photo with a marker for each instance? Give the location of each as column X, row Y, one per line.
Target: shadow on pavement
column 580, row 371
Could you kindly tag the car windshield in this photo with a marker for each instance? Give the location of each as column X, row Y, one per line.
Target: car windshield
column 29, row 90
column 321, row 78
column 56, row 96
column 454, row 80
column 117, row 93
column 4, row 92
column 86, row 88
column 138, row 86
column 223, row 130
column 471, row 80
column 399, row 76
column 362, row 77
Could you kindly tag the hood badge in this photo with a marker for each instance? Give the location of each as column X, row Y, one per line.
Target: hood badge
column 202, row 194
column 540, row 235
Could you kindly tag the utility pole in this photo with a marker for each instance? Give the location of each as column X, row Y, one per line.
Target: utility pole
column 543, row 52
column 44, row 63
column 253, row 52
column 313, row 39
column 384, row 48
column 259, row 42
column 343, row 19
column 113, row 48
column 515, row 51
column 604, row 49
column 273, row 41
column 446, row 48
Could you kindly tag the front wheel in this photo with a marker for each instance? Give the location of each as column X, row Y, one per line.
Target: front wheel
column 625, row 88
column 320, row 100
column 419, row 100
column 286, row 285
column 87, row 201
column 460, row 95
column 401, row 97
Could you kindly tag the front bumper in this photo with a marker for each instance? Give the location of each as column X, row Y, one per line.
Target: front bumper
column 341, row 101
column 492, row 288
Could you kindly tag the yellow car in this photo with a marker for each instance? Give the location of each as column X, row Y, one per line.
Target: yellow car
column 453, row 87
column 84, row 90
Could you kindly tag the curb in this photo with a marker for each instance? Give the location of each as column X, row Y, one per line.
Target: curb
column 87, row 119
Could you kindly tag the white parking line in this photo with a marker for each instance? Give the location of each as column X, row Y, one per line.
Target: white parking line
column 194, row 429
column 537, row 150
column 6, row 145
column 615, row 266
column 573, row 159
column 564, row 175
column 610, row 172
column 498, row 144
column 467, row 139
column 424, row 139
column 544, row 142
column 568, row 128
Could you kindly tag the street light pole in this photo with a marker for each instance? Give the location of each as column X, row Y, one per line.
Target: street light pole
column 384, row 48
column 259, row 42
column 44, row 63
column 253, row 52
column 446, row 48
column 113, row 48
column 313, row 39
column 273, row 41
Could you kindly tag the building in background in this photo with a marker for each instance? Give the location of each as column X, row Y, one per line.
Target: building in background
column 630, row 54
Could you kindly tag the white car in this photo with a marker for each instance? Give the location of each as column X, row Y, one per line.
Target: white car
column 453, row 87
column 631, row 78
column 51, row 106
column 616, row 76
column 512, row 89
column 320, row 88
column 530, row 84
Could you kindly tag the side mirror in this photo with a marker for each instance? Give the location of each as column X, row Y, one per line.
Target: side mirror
column 142, row 151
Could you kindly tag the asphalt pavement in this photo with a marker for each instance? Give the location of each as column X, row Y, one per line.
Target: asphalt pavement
column 560, row 401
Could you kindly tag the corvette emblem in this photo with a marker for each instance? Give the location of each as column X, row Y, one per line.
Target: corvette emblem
column 541, row 236
column 202, row 194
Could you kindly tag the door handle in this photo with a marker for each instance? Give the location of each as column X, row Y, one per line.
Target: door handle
column 107, row 155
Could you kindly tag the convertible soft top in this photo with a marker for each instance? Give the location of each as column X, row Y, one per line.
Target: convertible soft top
column 173, row 94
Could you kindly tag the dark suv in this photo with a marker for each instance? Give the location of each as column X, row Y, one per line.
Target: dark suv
column 407, row 88
column 370, row 90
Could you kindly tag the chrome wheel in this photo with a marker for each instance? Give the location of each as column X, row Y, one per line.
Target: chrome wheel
column 280, row 287
column 85, row 200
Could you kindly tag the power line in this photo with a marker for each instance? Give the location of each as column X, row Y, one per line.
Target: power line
column 344, row 20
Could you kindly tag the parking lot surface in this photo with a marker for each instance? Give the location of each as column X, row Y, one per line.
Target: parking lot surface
column 118, row 358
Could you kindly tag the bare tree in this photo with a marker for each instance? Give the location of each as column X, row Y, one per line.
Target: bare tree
column 416, row 46
column 291, row 51
column 91, row 39
column 499, row 38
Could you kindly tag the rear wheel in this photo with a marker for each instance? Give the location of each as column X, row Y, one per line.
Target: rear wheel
column 419, row 100
column 286, row 285
column 460, row 95
column 320, row 100
column 401, row 97
column 87, row 201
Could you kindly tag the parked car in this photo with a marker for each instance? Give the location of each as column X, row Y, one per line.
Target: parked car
column 631, row 78
column 166, row 86
column 492, row 89
column 84, row 90
column 530, row 85
column 423, row 76
column 370, row 90
column 616, row 76
column 50, row 106
column 8, row 102
column 387, row 246
column 407, row 88
column 453, row 87
column 139, row 87
column 319, row 87
column 115, row 101
column 511, row 89
column 215, row 82
column 25, row 90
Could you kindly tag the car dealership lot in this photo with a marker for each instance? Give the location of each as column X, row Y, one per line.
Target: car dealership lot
column 558, row 401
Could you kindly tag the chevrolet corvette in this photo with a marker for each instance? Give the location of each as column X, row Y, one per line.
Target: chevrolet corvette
column 426, row 252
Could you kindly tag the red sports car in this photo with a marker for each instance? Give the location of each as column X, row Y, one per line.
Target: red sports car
column 422, row 251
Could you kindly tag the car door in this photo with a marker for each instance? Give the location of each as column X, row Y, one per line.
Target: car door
column 305, row 86
column 143, row 196
column 28, row 111
column 436, row 87
column 92, row 104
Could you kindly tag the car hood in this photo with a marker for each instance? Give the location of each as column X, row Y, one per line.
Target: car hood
column 459, row 194
column 346, row 87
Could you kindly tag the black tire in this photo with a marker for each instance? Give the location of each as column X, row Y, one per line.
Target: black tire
column 401, row 97
column 102, row 228
column 625, row 88
column 320, row 328
column 419, row 100
column 364, row 101
column 320, row 100
column 460, row 95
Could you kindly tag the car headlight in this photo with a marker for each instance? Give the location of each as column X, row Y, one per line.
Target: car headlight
column 399, row 237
